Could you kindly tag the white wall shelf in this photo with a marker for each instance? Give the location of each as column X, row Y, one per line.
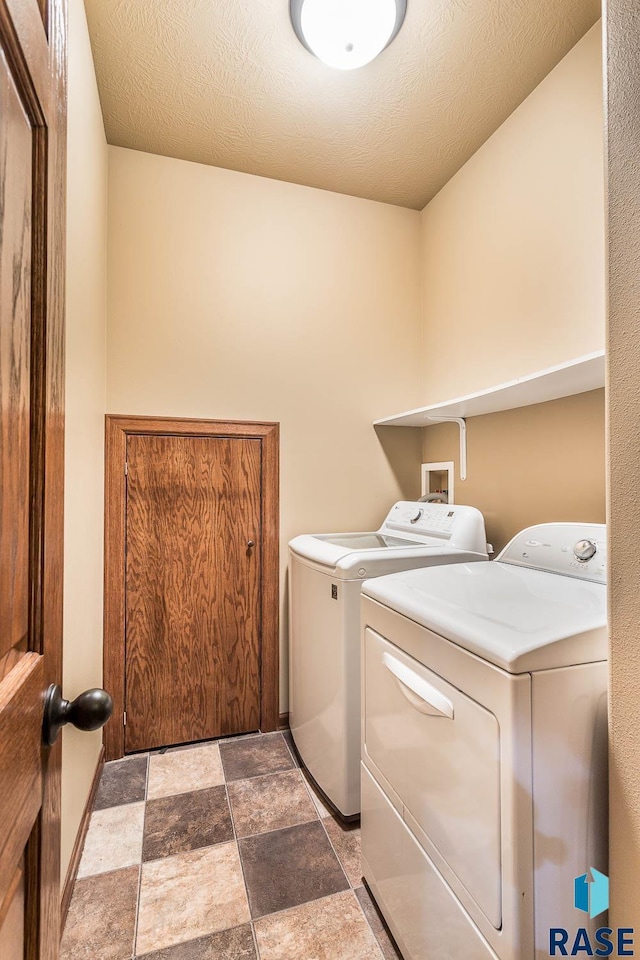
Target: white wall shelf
column 565, row 380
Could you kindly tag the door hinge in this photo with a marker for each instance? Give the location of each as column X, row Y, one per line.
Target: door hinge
column 126, row 469
column 124, row 718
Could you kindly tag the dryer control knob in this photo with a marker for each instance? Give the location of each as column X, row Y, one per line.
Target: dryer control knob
column 417, row 517
column 584, row 550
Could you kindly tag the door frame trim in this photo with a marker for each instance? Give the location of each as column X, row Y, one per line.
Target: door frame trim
column 117, row 429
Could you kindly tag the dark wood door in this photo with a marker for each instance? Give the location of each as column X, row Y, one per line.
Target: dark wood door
column 193, row 584
column 32, row 182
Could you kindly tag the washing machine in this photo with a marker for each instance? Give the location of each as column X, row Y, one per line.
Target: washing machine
column 484, row 757
column 326, row 572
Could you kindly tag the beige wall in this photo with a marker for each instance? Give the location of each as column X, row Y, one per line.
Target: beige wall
column 234, row 296
column 513, row 245
column 534, row 465
column 623, row 122
column 85, row 407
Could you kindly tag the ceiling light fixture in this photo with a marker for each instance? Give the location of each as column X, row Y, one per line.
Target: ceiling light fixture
column 347, row 34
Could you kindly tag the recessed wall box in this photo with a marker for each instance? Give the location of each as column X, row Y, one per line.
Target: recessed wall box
column 438, row 478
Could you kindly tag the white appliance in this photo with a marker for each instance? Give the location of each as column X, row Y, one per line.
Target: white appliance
column 484, row 759
column 326, row 571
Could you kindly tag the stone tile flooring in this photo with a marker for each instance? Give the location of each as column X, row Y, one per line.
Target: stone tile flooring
column 221, row 851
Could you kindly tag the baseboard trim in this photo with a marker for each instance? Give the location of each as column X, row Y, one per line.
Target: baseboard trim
column 74, row 863
column 283, row 721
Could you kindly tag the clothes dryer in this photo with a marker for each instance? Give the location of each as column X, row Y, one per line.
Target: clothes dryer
column 484, row 758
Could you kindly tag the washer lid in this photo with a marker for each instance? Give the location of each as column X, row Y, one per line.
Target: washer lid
column 518, row 618
column 367, row 541
column 348, row 551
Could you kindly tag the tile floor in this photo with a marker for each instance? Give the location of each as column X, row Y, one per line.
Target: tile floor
column 221, row 851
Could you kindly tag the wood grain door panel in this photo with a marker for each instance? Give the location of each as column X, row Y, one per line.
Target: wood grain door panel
column 12, row 917
column 193, row 588
column 16, row 172
column 20, row 765
column 32, row 245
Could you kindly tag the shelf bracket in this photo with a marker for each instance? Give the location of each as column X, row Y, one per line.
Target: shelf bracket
column 463, row 439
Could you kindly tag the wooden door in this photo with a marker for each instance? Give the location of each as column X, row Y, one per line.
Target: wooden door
column 193, row 583
column 32, row 185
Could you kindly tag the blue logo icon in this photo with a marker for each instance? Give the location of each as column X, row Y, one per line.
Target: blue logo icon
column 591, row 896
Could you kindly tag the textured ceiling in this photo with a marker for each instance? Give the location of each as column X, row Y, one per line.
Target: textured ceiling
column 226, row 82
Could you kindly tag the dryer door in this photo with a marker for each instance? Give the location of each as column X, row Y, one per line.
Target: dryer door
column 440, row 751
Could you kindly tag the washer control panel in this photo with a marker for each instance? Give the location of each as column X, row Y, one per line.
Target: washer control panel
column 456, row 525
column 430, row 519
column 573, row 549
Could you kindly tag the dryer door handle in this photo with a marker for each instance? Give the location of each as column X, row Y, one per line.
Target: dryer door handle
column 417, row 691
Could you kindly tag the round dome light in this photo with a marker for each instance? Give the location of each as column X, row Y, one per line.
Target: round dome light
column 347, row 34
